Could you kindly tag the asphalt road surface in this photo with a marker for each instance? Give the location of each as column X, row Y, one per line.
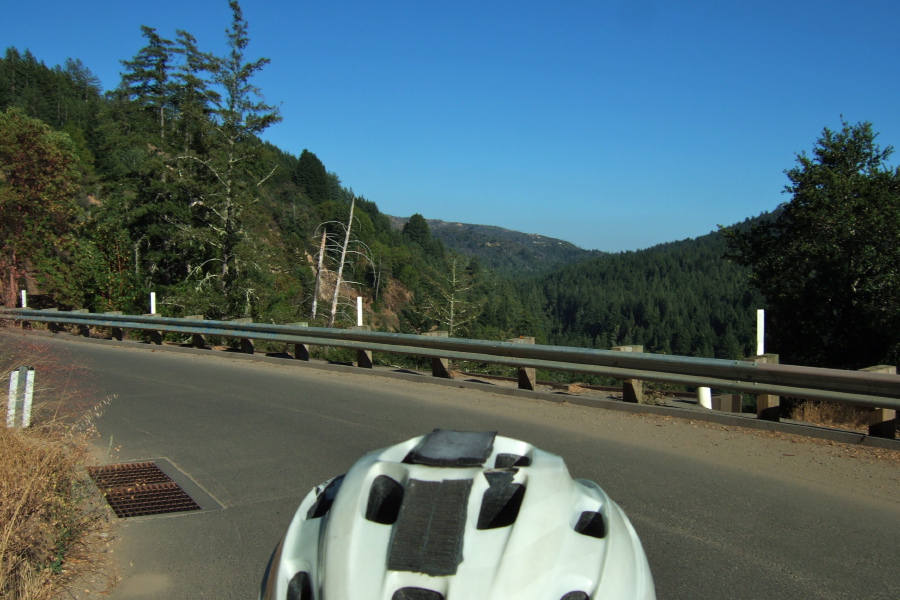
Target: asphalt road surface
column 722, row 513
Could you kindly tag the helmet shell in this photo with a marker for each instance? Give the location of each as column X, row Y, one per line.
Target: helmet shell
column 459, row 515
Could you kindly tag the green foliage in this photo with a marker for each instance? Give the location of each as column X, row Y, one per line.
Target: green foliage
column 829, row 263
column 38, row 182
column 180, row 196
column 677, row 298
column 311, row 178
column 417, row 230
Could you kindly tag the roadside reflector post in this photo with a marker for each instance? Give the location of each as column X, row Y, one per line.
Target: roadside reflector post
column 363, row 357
column 760, row 332
column 440, row 367
column 152, row 303
column 197, row 339
column 301, row 351
column 359, row 311
column 882, row 421
column 24, row 294
column 632, row 389
column 21, row 392
column 768, row 407
column 527, row 375
column 704, row 397
column 247, row 346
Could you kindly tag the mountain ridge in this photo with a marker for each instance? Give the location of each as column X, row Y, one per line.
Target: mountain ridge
column 505, row 250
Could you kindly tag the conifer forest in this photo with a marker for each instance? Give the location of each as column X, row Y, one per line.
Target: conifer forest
column 163, row 184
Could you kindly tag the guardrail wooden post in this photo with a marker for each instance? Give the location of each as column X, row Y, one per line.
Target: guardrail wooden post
column 247, row 346
column 155, row 335
column 882, row 421
column 768, row 407
column 363, row 357
column 632, row 389
column 115, row 333
column 197, row 339
column 83, row 330
column 440, row 367
column 727, row 403
column 52, row 327
column 527, row 375
column 301, row 351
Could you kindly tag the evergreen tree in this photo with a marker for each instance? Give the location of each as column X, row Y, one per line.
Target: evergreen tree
column 38, row 183
column 311, row 178
column 418, row 231
column 829, row 262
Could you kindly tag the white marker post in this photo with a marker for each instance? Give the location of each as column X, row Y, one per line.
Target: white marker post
column 24, row 299
column 29, row 394
column 359, row 319
column 704, row 396
column 13, row 396
column 152, row 303
column 760, row 332
column 25, row 376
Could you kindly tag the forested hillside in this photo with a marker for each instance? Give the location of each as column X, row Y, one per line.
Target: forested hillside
column 507, row 252
column 163, row 184
column 676, row 298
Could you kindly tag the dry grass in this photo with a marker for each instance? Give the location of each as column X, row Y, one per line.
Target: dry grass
column 47, row 503
column 829, row 414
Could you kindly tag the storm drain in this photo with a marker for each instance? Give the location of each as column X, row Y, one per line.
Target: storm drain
column 140, row 489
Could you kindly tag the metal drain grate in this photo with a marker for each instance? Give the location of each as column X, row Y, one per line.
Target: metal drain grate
column 140, row 489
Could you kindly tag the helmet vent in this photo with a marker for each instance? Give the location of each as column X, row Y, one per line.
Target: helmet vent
column 591, row 523
column 300, row 588
column 575, row 596
column 501, row 501
column 325, row 499
column 385, row 498
column 505, row 461
column 414, row 593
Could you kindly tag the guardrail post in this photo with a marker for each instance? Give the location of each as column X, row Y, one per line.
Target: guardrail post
column 768, row 407
column 882, row 421
column 363, row 357
column 83, row 330
column 632, row 389
column 440, row 367
column 247, row 346
column 527, row 375
column 155, row 335
column 116, row 333
column 52, row 327
column 301, row 351
column 727, row 403
column 197, row 339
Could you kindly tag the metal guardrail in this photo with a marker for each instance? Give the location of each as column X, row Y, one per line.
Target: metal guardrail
column 858, row 388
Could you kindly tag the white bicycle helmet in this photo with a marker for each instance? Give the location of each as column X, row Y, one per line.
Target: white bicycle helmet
column 459, row 516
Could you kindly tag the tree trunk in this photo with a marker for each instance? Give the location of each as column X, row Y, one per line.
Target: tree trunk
column 315, row 299
column 340, row 272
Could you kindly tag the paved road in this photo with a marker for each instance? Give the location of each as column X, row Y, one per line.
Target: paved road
column 732, row 521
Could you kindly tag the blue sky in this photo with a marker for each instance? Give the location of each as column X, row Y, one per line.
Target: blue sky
column 613, row 125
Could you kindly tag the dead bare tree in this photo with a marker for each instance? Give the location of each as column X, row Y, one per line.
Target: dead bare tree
column 448, row 300
column 340, row 247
